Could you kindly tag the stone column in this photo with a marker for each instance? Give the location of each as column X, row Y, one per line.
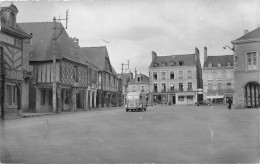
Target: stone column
column 58, row 100
column 85, row 99
column 105, row 100
column 95, row 99
column 73, row 99
column 99, row 99
column 90, row 101
column 110, row 97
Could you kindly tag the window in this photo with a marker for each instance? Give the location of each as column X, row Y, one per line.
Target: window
column 164, row 86
column 172, row 75
column 180, row 98
column 210, row 86
column 189, row 74
column 228, row 64
column 219, row 86
column 12, row 19
column 133, row 88
column 154, row 86
column 11, row 94
column 172, row 86
column 139, row 79
column 190, row 98
column 180, row 74
column 181, row 63
column 180, row 86
column 142, row 89
column 251, row 61
column 219, row 64
column 155, row 75
column 210, row 64
column 163, row 75
column 189, row 86
column 228, row 85
column 43, row 97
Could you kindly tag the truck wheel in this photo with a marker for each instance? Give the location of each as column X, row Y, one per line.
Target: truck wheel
column 141, row 109
column 126, row 110
column 144, row 109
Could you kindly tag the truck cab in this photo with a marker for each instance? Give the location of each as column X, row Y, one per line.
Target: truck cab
column 136, row 101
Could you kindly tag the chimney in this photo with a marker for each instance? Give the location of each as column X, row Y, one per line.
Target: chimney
column 245, row 31
column 154, row 55
column 205, row 54
column 197, row 53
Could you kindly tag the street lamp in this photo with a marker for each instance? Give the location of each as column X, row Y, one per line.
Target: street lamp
column 232, row 49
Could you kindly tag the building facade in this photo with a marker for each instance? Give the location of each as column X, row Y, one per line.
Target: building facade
column 15, row 72
column 247, row 69
column 109, row 86
column 126, row 78
column 218, row 77
column 75, row 77
column 176, row 78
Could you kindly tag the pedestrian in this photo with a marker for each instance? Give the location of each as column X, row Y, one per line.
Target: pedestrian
column 229, row 101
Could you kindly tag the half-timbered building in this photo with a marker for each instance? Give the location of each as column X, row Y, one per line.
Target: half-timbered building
column 110, row 86
column 76, row 78
column 14, row 50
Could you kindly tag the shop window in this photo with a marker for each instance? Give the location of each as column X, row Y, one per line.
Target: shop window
column 190, row 98
column 180, row 98
column 11, row 94
column 50, row 97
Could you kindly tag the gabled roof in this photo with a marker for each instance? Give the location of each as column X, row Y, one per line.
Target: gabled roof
column 42, row 42
column 144, row 79
column 223, row 59
column 173, row 60
column 99, row 57
column 255, row 34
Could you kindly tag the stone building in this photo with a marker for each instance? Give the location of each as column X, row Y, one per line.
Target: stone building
column 126, row 78
column 247, row 69
column 175, row 78
column 110, row 87
column 15, row 71
column 75, row 77
column 218, row 77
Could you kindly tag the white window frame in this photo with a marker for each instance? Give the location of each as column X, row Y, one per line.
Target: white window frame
column 256, row 66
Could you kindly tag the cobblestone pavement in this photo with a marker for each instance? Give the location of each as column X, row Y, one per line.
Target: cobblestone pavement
column 162, row 134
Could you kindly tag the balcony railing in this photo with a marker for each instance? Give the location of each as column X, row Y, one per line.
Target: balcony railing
column 163, row 90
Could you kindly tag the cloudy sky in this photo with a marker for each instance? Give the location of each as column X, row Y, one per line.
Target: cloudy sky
column 131, row 29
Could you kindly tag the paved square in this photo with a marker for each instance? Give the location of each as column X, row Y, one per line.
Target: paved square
column 162, row 134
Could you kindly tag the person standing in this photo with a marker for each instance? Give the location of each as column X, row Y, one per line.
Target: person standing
column 229, row 101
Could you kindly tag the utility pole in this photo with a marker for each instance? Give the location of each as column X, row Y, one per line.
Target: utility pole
column 54, row 83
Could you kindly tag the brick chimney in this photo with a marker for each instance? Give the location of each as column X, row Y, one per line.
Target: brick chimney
column 205, row 54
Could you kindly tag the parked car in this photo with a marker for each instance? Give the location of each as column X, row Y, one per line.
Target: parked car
column 204, row 102
column 136, row 101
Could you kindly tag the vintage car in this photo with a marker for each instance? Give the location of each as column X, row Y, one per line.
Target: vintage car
column 204, row 102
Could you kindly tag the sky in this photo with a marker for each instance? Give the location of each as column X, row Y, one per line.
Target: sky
column 132, row 29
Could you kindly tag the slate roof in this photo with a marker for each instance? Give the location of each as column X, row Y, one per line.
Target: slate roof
column 188, row 59
column 250, row 35
column 97, row 56
column 223, row 59
column 145, row 79
column 127, row 77
column 42, row 43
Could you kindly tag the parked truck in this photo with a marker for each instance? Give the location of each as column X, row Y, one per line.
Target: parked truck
column 136, row 101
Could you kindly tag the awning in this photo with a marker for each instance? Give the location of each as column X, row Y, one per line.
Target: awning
column 215, row 97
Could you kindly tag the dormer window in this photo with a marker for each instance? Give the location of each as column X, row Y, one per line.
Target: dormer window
column 210, row 64
column 164, row 63
column 181, row 63
column 12, row 20
column 172, row 63
column 155, row 64
column 219, row 64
